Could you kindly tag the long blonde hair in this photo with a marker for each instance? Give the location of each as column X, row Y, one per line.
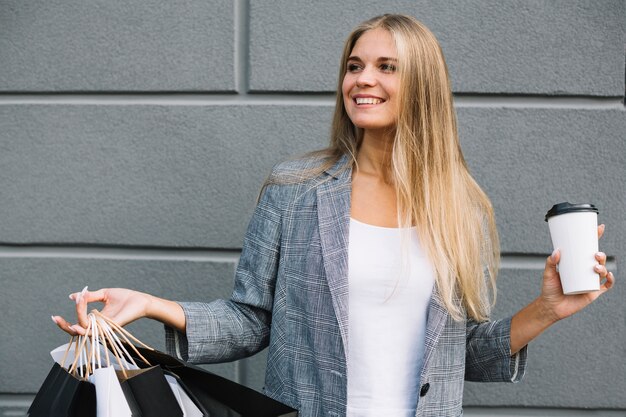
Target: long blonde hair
column 434, row 188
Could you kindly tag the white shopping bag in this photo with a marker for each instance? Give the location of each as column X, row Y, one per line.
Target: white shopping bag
column 186, row 404
column 110, row 399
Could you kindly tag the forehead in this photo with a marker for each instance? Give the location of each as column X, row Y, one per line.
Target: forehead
column 375, row 43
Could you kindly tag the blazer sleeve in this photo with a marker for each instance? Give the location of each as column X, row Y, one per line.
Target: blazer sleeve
column 225, row 330
column 488, row 353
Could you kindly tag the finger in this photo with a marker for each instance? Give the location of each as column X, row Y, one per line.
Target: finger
column 74, row 296
column 94, row 296
column 63, row 325
column 608, row 283
column 81, row 308
column 79, row 330
column 90, row 296
column 553, row 261
column 601, row 270
column 601, row 230
column 601, row 257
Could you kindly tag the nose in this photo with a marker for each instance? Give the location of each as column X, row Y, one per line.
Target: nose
column 366, row 78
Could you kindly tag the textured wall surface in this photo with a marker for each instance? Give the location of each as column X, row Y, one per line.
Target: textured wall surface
column 134, row 139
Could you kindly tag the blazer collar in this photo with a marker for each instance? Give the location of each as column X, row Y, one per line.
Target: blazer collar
column 340, row 170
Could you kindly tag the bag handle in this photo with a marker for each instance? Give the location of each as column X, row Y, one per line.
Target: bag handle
column 101, row 330
column 121, row 330
column 104, row 344
column 95, row 343
column 79, row 353
column 67, row 350
column 116, row 349
column 114, row 328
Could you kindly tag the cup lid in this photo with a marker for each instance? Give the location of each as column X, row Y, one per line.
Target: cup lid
column 566, row 207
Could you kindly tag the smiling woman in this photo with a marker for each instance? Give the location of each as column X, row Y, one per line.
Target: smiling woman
column 368, row 266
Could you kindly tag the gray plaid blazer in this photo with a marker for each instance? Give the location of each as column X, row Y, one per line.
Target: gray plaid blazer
column 291, row 293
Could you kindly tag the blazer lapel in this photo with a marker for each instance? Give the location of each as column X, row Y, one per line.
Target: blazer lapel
column 333, row 211
column 437, row 318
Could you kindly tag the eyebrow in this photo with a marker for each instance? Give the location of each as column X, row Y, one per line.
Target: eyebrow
column 380, row 59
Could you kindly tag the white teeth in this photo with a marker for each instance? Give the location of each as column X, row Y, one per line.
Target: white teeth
column 368, row 100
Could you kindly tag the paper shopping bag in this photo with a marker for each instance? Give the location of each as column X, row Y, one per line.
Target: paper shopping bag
column 111, row 401
column 214, row 395
column 151, row 392
column 190, row 406
column 219, row 396
column 64, row 395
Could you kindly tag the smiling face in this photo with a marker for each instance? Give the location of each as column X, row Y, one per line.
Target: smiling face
column 371, row 82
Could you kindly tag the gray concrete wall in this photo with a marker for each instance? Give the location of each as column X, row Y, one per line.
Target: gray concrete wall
column 134, row 139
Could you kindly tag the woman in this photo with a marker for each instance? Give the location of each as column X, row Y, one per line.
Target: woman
column 368, row 267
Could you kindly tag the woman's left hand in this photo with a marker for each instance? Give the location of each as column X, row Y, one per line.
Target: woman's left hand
column 558, row 305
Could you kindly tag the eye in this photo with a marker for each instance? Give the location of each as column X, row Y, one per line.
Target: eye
column 387, row 67
column 353, row 67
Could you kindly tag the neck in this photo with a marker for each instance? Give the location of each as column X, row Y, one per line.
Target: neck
column 374, row 154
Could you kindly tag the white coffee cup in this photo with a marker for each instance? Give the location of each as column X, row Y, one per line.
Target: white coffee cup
column 574, row 231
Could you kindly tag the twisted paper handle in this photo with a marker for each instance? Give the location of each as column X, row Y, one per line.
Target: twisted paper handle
column 101, row 330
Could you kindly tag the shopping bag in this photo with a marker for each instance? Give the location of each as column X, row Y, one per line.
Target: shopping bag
column 64, row 393
column 151, row 392
column 219, row 396
column 110, row 399
column 215, row 396
column 146, row 390
column 188, row 403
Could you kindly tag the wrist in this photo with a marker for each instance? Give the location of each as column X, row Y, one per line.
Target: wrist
column 530, row 322
column 167, row 312
column 151, row 307
column 545, row 313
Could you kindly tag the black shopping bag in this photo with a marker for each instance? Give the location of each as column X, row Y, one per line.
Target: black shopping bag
column 151, row 394
column 64, row 395
column 189, row 394
column 219, row 396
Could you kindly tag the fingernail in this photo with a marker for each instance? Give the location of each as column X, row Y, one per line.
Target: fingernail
column 53, row 319
column 597, row 268
column 84, row 291
column 71, row 296
column 553, row 256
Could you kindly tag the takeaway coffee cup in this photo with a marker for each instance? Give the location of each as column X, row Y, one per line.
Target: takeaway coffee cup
column 574, row 230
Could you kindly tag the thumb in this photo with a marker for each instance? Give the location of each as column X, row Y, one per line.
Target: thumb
column 552, row 262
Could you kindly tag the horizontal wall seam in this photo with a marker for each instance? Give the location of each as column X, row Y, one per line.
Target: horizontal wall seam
column 508, row 260
column 18, row 403
column 324, row 99
column 469, row 411
column 120, row 253
column 537, row 261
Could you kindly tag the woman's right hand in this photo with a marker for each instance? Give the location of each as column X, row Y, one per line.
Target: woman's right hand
column 120, row 305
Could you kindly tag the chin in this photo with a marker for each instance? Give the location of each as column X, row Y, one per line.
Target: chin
column 371, row 125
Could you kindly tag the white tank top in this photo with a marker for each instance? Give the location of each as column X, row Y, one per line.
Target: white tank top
column 390, row 285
